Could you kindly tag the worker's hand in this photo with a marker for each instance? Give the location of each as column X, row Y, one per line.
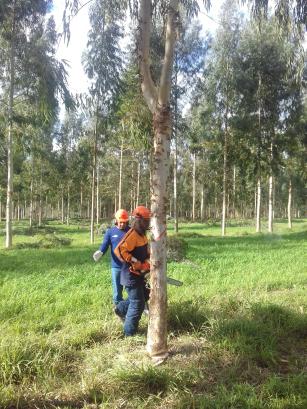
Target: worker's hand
column 97, row 255
column 145, row 267
column 136, row 266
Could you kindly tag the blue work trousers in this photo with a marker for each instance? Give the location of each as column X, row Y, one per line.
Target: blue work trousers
column 132, row 308
column 116, row 285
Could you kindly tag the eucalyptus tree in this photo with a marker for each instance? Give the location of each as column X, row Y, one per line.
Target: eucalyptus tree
column 267, row 82
column 188, row 65
column 15, row 17
column 222, row 79
column 28, row 47
column 102, row 62
column 133, row 131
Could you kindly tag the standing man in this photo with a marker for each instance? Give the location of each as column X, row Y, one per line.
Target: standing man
column 133, row 252
column 112, row 237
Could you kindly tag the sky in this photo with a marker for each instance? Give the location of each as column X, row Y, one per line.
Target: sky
column 72, row 52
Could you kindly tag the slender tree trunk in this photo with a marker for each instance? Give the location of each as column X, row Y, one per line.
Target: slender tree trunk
column 40, row 207
column 10, row 170
column 176, row 148
column 202, row 203
column 18, row 208
column 97, row 197
column 1, row 210
column 193, row 187
column 270, row 215
column 31, row 203
column 158, row 102
column 138, row 185
column 289, row 204
column 234, row 193
column 68, row 205
column 175, row 190
column 93, row 182
column 81, row 201
column 120, row 177
column 224, row 184
column 62, row 210
column 258, row 210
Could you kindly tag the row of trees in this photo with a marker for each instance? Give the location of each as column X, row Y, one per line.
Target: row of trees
column 245, row 125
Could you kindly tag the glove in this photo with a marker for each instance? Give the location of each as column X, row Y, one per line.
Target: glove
column 97, row 255
column 145, row 267
column 136, row 266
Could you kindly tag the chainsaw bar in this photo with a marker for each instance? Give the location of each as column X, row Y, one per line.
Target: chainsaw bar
column 172, row 281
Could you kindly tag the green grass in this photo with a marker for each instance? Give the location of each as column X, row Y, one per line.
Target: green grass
column 237, row 328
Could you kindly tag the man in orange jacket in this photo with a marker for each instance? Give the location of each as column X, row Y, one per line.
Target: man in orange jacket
column 134, row 253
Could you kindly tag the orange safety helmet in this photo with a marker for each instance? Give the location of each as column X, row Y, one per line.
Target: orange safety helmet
column 122, row 215
column 141, row 211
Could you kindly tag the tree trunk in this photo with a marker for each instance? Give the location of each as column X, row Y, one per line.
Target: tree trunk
column 202, row 201
column 158, row 102
column 40, row 207
column 62, row 210
column 31, row 203
column 289, row 204
column 10, row 170
column 270, row 215
column 224, row 184
column 138, row 185
column 234, row 194
column 175, row 148
column 68, row 205
column 157, row 330
column 81, row 201
column 193, row 187
column 97, row 197
column 258, row 216
column 18, row 208
column 120, row 177
column 93, row 181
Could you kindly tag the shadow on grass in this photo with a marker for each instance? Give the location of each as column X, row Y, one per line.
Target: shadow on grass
column 271, row 336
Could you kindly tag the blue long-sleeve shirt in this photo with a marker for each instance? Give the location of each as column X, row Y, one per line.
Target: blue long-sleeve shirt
column 111, row 238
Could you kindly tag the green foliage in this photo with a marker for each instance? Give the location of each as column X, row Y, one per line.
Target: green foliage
column 45, row 241
column 176, row 248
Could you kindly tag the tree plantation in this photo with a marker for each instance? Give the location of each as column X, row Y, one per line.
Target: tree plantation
column 203, row 124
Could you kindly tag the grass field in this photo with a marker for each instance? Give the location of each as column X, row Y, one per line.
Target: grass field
column 237, row 328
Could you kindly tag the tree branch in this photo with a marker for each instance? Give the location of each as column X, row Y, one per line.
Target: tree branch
column 170, row 40
column 147, row 84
